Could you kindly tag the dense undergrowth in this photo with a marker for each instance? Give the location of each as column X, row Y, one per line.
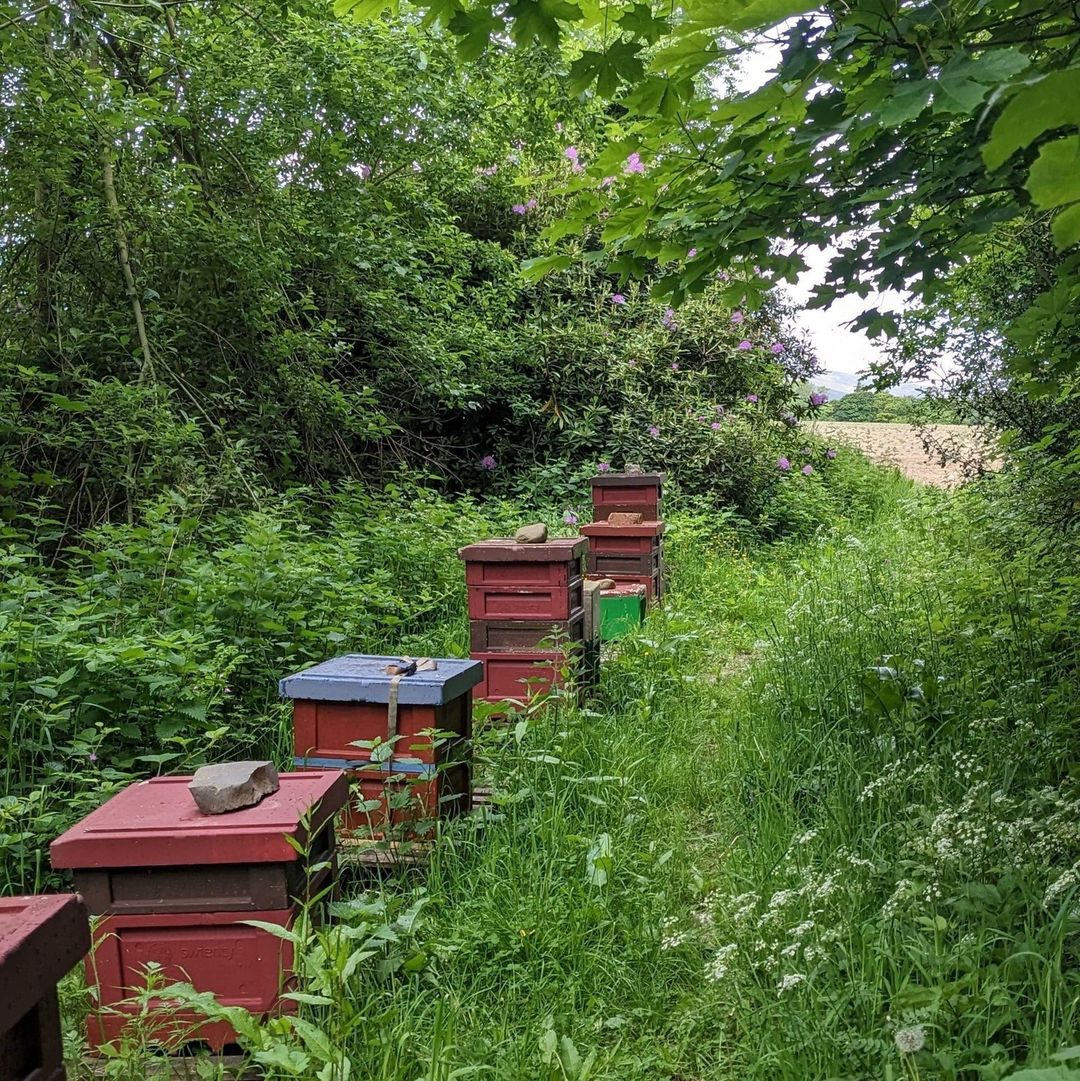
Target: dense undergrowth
column 820, row 823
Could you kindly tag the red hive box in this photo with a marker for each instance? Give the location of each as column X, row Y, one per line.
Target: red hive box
column 625, row 549
column 631, row 492
column 423, row 770
column 41, row 940
column 527, row 613
column 530, row 582
column 174, row 887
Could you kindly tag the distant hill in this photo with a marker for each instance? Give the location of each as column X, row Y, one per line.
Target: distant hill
column 837, row 384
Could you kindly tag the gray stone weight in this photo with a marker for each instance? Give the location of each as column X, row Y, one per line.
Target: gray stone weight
column 231, row 786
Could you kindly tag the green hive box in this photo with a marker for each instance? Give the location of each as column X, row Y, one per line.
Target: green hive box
column 621, row 610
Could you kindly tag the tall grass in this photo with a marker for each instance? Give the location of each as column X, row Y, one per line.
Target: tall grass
column 819, row 824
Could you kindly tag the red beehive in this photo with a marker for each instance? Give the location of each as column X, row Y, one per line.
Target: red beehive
column 653, row 583
column 41, row 940
column 174, row 887
column 521, row 676
column 356, row 699
column 627, row 492
column 530, row 582
column 634, row 550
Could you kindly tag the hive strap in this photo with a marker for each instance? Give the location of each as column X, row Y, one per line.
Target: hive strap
column 399, row 670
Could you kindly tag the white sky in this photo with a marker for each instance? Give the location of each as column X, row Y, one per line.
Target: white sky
column 839, row 348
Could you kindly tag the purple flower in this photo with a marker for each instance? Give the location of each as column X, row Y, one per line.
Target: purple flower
column 668, row 319
column 488, row 462
column 618, row 298
column 572, row 153
column 830, row 454
column 783, row 464
column 777, row 348
column 92, row 756
column 807, row 469
column 518, row 208
column 744, row 344
column 634, row 164
column 603, row 467
column 716, row 426
column 607, row 181
column 569, row 517
column 654, row 432
column 723, row 275
column 691, row 253
column 737, row 317
column 631, row 363
column 790, row 420
column 817, row 399
column 531, row 204
column 674, row 365
column 752, row 399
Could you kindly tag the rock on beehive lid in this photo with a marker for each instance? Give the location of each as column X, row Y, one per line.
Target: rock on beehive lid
column 156, row 824
column 231, row 786
column 536, row 533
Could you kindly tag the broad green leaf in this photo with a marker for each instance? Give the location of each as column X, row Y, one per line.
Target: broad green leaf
column 1047, row 1073
column 535, row 269
column 658, row 95
column 1052, row 102
column 747, row 14
column 906, row 102
column 1066, row 227
column 609, row 69
column 363, row 10
column 1054, row 179
column 474, row 28
column 966, row 80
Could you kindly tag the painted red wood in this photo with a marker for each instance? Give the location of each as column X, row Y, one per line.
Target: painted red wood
column 520, row 676
column 156, row 824
column 504, row 550
column 637, row 563
column 515, row 574
column 242, row 965
column 41, row 940
column 539, row 603
column 516, row 636
column 329, row 729
column 408, row 807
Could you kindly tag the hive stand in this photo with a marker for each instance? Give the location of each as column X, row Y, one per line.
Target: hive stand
column 41, row 940
column 174, row 886
column 527, row 615
column 403, row 777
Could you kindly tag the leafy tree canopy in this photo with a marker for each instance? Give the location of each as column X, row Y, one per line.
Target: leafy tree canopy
column 900, row 131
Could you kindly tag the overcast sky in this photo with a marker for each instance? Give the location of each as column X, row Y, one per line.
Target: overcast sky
column 839, row 349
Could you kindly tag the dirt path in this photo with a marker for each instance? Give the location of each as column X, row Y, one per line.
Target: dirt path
column 904, row 446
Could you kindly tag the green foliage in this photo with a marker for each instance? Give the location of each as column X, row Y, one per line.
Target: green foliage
column 868, row 406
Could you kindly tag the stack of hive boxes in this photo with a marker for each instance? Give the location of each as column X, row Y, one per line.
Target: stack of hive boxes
column 527, row 615
column 399, row 729
column 174, row 888
column 626, row 536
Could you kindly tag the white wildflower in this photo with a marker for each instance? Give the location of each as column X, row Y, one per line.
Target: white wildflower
column 792, row 979
column 910, row 1040
column 718, row 966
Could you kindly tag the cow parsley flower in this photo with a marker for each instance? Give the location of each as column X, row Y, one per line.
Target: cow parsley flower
column 792, row 979
column 718, row 966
